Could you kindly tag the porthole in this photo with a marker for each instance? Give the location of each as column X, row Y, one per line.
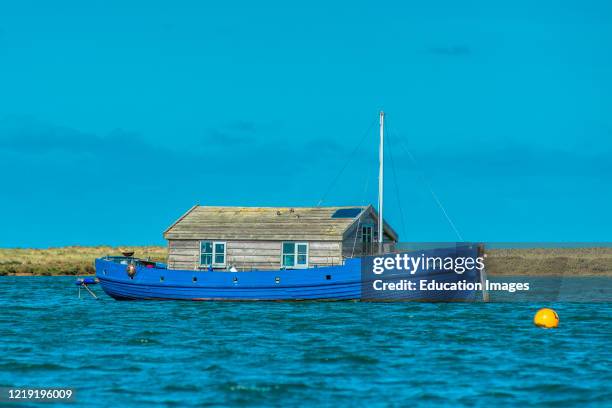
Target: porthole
column 328, row 277
column 195, row 279
column 161, row 278
column 277, row 280
column 235, row 280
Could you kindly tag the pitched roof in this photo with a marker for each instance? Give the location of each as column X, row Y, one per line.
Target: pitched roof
column 266, row 223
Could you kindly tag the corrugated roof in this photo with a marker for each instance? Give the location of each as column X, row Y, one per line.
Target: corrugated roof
column 262, row 223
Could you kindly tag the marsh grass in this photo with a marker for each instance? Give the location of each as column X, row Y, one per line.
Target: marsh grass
column 595, row 261
column 77, row 260
column 74, row 260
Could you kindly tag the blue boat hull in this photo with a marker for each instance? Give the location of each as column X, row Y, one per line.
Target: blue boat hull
column 344, row 282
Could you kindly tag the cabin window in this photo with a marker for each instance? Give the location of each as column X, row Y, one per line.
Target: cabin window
column 295, row 255
column 212, row 253
column 366, row 234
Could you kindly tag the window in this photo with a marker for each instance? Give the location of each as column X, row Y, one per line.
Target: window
column 212, row 253
column 366, row 234
column 219, row 254
column 366, row 240
column 295, row 255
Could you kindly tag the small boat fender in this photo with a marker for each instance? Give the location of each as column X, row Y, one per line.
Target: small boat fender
column 131, row 270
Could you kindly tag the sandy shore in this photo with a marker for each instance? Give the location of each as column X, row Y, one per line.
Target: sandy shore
column 500, row 262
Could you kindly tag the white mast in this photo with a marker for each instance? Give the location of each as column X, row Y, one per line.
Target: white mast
column 381, row 159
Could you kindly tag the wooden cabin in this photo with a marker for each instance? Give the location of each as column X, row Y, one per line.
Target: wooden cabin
column 273, row 237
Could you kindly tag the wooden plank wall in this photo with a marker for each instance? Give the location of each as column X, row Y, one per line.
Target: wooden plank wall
column 246, row 255
column 183, row 254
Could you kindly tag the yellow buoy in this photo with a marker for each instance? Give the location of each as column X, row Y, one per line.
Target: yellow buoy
column 546, row 318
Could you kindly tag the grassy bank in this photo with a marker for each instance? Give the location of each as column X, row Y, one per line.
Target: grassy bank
column 550, row 262
column 74, row 260
column 500, row 262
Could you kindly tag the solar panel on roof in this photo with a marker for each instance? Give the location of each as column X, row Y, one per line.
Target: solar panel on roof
column 346, row 213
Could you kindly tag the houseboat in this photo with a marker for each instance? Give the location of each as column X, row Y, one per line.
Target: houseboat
column 279, row 253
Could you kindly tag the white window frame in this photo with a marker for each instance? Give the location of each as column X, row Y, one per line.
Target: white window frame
column 295, row 255
column 214, row 253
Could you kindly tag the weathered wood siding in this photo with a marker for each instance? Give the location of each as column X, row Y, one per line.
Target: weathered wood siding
column 245, row 255
column 352, row 243
column 183, row 254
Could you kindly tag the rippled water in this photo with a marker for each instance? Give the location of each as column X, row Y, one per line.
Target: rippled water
column 305, row 353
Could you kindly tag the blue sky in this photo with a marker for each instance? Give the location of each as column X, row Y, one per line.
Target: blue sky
column 117, row 116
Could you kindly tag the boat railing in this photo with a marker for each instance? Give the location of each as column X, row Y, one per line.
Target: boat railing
column 127, row 260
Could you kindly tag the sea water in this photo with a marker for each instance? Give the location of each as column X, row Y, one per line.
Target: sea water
column 171, row 353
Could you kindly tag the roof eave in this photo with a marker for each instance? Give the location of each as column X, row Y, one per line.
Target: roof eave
column 179, row 220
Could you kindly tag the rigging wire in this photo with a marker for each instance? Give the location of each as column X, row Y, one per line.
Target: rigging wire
column 433, row 194
column 363, row 199
column 335, row 179
column 396, row 184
